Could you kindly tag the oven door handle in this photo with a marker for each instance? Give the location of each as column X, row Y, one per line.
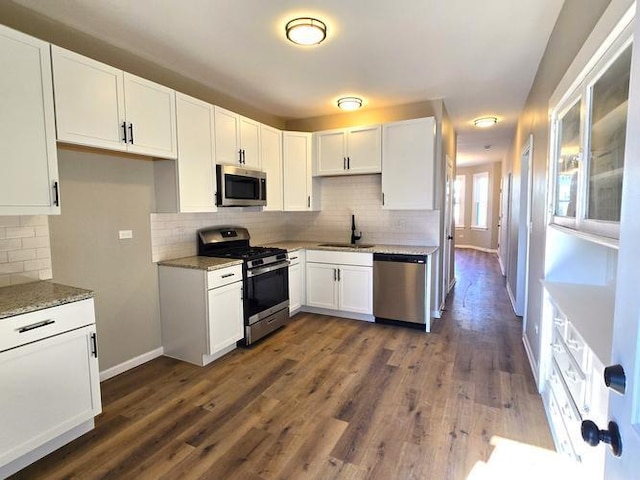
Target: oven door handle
column 270, row 268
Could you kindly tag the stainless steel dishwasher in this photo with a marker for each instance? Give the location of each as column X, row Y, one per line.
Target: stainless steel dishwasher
column 400, row 288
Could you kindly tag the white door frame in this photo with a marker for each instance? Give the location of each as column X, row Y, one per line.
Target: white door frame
column 524, row 231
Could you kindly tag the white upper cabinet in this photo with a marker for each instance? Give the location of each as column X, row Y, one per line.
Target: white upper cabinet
column 29, row 178
column 101, row 106
column 298, row 181
column 350, row 151
column 271, row 160
column 588, row 149
column 408, row 164
column 237, row 139
column 196, row 171
column 151, row 117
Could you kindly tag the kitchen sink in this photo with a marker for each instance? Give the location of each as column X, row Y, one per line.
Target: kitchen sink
column 346, row 245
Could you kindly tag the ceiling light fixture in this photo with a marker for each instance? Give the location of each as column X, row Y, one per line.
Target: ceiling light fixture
column 485, row 122
column 306, row 31
column 349, row 103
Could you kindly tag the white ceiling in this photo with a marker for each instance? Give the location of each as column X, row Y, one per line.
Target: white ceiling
column 479, row 56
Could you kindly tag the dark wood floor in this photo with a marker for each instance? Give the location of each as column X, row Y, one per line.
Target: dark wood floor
column 326, row 398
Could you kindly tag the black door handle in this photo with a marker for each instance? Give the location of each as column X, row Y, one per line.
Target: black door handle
column 615, row 378
column 56, row 194
column 593, row 436
column 449, row 237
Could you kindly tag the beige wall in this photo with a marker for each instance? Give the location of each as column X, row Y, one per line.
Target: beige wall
column 577, row 19
column 474, row 237
column 20, row 18
column 100, row 195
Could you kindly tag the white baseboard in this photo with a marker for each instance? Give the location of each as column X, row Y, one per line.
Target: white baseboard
column 512, row 298
column 339, row 313
column 437, row 313
column 481, row 249
column 129, row 364
column 532, row 363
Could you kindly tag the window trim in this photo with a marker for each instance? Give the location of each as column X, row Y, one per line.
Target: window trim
column 461, row 203
column 474, row 202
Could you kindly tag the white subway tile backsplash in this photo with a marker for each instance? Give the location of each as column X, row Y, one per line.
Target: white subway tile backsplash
column 25, row 255
column 174, row 235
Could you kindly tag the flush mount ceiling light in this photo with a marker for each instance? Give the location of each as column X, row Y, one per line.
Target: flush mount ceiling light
column 306, row 31
column 349, row 103
column 485, row 122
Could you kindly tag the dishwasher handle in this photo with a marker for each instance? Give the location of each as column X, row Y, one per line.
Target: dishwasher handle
column 399, row 258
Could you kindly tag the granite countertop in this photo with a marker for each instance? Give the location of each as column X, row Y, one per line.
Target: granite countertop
column 292, row 245
column 201, row 263
column 29, row 297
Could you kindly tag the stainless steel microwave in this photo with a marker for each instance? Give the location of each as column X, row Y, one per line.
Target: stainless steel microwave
column 240, row 187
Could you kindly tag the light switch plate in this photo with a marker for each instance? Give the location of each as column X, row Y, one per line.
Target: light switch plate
column 122, row 234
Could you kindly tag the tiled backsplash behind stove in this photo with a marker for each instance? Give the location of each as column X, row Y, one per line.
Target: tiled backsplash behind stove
column 173, row 235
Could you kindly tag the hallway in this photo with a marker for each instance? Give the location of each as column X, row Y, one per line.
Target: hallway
column 327, row 398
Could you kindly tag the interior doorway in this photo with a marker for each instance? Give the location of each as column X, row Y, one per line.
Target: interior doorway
column 448, row 278
column 524, row 230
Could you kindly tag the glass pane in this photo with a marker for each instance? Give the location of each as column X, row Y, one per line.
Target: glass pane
column 568, row 156
column 607, row 137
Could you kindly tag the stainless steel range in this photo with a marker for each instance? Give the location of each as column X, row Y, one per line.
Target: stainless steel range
column 265, row 277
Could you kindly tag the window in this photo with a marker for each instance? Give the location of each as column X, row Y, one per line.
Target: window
column 458, row 200
column 480, row 200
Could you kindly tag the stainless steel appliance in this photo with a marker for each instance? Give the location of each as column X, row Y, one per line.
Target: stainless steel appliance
column 265, row 277
column 400, row 288
column 240, row 187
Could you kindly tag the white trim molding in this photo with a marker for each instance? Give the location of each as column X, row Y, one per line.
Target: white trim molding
column 532, row 363
column 512, row 298
column 129, row 364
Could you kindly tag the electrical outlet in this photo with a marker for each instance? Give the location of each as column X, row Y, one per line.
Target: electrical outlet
column 124, row 234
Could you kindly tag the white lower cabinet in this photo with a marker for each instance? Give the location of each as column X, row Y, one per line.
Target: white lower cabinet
column 50, row 381
column 574, row 389
column 296, row 281
column 201, row 312
column 341, row 281
column 225, row 317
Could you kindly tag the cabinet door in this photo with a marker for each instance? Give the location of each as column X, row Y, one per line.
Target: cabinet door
column 89, row 101
column 322, row 288
column 295, row 287
column 27, row 127
column 226, row 324
column 356, row 289
column 227, row 130
column 331, row 152
column 196, row 165
column 296, row 153
column 151, row 114
column 271, row 160
column 48, row 387
column 250, row 143
column 408, row 165
column 364, row 150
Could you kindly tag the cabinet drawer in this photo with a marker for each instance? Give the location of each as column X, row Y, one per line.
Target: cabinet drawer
column 294, row 258
column 224, row 276
column 563, row 442
column 570, row 415
column 577, row 347
column 559, row 321
column 33, row 326
column 571, row 374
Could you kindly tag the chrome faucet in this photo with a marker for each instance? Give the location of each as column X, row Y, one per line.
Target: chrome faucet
column 354, row 237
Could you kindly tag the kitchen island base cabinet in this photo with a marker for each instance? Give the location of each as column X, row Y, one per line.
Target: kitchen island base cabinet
column 201, row 312
column 50, row 382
